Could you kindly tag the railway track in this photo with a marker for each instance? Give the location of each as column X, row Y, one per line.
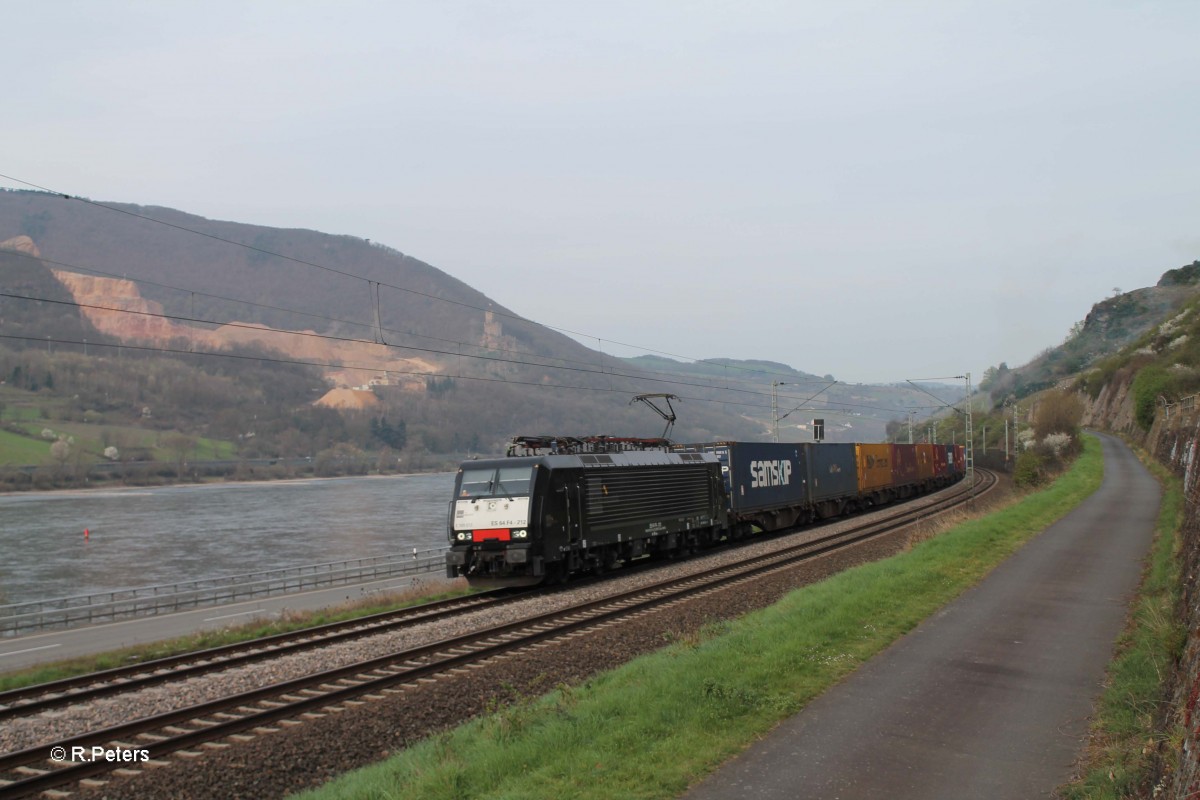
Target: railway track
column 219, row 723
column 83, row 688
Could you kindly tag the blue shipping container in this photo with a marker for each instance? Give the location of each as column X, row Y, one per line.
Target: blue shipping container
column 833, row 471
column 762, row 475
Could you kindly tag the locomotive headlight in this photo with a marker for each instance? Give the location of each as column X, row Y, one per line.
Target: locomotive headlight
column 521, row 534
column 462, row 536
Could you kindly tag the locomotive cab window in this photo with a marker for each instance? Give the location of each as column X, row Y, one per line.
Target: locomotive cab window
column 500, row 482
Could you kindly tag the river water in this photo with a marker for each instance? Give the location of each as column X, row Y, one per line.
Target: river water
column 143, row 537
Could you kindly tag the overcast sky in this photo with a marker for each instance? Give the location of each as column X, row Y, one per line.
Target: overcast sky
column 879, row 191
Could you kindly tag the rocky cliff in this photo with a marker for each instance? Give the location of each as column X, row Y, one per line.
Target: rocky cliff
column 1174, row 439
column 116, row 307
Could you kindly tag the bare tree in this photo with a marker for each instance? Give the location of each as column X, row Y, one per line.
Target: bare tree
column 60, row 451
column 179, row 445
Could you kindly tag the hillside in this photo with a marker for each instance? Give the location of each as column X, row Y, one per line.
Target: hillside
column 1136, row 388
column 223, row 295
column 1112, row 324
column 327, row 283
column 459, row 372
column 53, row 314
column 1146, row 391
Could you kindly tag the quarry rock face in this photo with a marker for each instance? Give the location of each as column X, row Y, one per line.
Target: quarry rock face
column 21, row 244
column 349, row 399
column 108, row 302
column 116, row 307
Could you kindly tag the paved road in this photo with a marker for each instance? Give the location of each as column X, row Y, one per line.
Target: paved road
column 989, row 698
column 41, row 648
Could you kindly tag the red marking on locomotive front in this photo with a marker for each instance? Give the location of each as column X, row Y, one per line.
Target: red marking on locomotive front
column 500, row 534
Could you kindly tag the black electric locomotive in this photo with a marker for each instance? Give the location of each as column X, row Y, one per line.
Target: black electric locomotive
column 584, row 506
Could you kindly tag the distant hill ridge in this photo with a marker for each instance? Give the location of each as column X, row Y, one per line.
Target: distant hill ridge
column 497, row 365
column 115, row 306
column 289, row 294
column 470, row 336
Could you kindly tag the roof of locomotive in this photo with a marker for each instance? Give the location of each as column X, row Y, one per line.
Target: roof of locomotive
column 634, row 458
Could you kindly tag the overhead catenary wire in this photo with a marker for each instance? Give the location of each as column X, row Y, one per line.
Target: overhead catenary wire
column 302, row 362
column 252, row 304
column 374, row 366
column 347, row 274
column 414, row 373
column 931, row 394
column 374, row 286
column 331, row 337
column 377, row 328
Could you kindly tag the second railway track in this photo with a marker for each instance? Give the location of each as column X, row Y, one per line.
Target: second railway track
column 42, row 697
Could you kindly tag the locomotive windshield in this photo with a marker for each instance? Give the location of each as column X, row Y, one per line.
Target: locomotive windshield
column 496, row 482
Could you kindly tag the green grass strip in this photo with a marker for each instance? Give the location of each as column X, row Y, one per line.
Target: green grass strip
column 653, row 727
column 18, row 450
column 1130, row 724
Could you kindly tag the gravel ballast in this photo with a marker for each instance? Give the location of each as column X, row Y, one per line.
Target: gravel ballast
column 308, row 754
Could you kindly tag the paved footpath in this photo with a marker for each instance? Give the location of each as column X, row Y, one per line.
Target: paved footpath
column 990, row 697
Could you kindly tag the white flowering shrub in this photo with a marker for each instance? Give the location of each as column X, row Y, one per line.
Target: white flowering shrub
column 1058, row 443
column 48, row 434
column 60, row 450
column 111, row 453
column 1173, row 324
column 1026, row 439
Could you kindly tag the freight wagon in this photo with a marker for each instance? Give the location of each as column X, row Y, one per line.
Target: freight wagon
column 591, row 504
column 766, row 484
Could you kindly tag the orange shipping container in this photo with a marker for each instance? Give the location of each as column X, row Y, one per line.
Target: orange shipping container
column 874, row 466
column 941, row 460
column 925, row 462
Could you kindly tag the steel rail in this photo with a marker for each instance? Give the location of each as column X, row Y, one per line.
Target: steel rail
column 30, row 700
column 330, row 688
column 66, row 691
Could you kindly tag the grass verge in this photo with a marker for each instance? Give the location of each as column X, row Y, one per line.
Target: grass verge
column 652, row 727
column 292, row 621
column 16, row 449
column 1130, row 727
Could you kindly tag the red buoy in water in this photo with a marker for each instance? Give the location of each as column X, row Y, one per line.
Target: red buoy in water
column 85, row 534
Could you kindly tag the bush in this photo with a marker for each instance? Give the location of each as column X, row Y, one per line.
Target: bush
column 1061, row 444
column 1028, row 471
column 1148, row 385
column 1058, row 412
column 12, row 479
column 341, row 459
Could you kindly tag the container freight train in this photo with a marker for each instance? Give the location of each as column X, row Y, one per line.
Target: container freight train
column 559, row 507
